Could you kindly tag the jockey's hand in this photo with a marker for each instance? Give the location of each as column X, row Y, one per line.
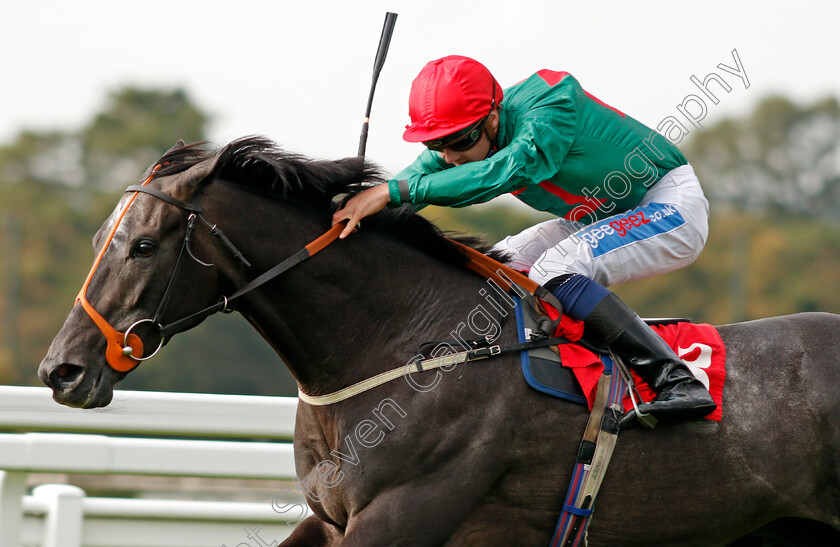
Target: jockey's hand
column 363, row 204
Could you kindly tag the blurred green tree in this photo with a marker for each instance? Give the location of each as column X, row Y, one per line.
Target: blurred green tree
column 783, row 159
column 132, row 130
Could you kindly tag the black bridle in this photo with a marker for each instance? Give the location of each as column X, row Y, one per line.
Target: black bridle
column 166, row 331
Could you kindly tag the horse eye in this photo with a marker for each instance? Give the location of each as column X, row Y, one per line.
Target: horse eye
column 144, row 248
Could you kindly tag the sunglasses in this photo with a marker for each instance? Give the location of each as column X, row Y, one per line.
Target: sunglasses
column 460, row 141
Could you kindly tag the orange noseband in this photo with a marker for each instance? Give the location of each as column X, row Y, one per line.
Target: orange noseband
column 122, row 352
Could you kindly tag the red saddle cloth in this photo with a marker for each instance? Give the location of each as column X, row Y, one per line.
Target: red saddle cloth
column 698, row 345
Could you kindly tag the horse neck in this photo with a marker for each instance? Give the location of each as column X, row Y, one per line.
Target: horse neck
column 354, row 313
column 357, row 308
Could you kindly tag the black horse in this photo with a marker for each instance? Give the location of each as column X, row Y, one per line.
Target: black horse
column 468, row 455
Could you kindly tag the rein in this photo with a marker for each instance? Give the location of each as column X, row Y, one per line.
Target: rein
column 307, row 252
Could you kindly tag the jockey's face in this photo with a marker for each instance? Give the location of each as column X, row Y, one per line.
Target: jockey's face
column 476, row 153
column 481, row 149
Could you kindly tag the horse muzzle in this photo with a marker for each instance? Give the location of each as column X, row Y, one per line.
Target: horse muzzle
column 72, row 385
column 68, row 369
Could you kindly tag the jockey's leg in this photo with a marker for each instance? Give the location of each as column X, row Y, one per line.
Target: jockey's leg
column 526, row 247
column 679, row 394
column 664, row 233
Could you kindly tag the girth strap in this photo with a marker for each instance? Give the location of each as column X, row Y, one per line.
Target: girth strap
column 413, row 367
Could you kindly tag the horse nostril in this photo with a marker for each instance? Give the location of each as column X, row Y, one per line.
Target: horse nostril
column 65, row 375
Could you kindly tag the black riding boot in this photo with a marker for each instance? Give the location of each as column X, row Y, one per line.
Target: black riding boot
column 680, row 396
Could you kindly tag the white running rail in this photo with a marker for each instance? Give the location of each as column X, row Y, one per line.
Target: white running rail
column 50, row 438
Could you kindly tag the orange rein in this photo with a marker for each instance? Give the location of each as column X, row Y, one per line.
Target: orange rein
column 489, row 268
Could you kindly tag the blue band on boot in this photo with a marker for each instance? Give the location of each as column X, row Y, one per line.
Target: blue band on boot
column 579, row 296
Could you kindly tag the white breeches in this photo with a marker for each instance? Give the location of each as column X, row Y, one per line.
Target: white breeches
column 665, row 232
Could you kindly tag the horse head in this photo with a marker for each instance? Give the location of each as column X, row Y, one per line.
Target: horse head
column 163, row 264
column 134, row 285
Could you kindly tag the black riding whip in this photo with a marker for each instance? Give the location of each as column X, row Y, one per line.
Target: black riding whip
column 384, row 42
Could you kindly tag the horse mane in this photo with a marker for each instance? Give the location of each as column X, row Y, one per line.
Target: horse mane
column 258, row 165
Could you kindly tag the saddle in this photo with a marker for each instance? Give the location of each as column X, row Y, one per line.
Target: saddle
column 570, row 371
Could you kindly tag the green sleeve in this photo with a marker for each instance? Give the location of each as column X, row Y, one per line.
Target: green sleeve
column 427, row 162
column 540, row 143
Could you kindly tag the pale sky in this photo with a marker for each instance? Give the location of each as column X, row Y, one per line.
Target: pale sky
column 299, row 71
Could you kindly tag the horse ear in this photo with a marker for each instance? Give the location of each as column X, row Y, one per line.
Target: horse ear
column 189, row 180
column 176, row 146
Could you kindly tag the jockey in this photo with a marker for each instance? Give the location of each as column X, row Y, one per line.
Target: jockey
column 629, row 205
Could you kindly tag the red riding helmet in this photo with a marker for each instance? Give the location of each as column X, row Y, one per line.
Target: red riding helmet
column 449, row 94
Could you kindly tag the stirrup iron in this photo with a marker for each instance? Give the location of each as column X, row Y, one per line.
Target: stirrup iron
column 646, row 420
